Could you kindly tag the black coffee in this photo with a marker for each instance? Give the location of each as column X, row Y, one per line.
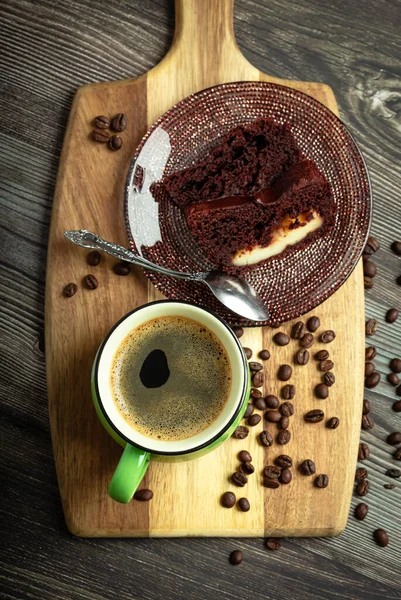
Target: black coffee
column 171, row 378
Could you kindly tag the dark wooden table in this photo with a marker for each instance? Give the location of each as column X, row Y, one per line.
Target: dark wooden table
column 48, row 49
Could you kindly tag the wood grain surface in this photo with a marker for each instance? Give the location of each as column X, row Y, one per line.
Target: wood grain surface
column 48, row 51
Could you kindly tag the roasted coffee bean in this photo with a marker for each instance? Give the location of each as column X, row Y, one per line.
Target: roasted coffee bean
column 98, row 135
column 329, row 378
column 368, row 283
column 236, row 557
column 283, row 461
column 273, row 544
column 363, row 487
column 333, row 423
column 363, row 451
column 143, row 495
column 284, row 423
column 370, row 353
column 258, row 379
column 285, row 476
column 254, row 420
column 239, row 479
column 228, row 499
column 273, row 416
column 244, row 505
column 321, row 391
column 393, row 379
column 241, row 432
column 367, row 422
column 326, row 365
column 284, row 373
column 381, row 537
column 389, row 486
column 392, row 315
column 322, row 481
column 394, row 438
column 260, row 404
column 275, row 325
column 90, row 282
column 369, row 269
column 327, row 336
column 314, row 416
column 70, row 290
column 247, row 352
column 372, row 381
column 287, row 409
column 307, row 467
column 283, row 437
column 366, row 407
column 298, row 330
column 247, row 468
column 281, row 339
column 361, row 511
column 307, row 340
column 288, row 392
column 122, row 268
column 393, row 473
column 115, row 142
column 272, row 401
column 360, row 473
column 395, row 365
column 119, row 122
column 244, row 456
column 313, row 324
column 372, row 246
column 322, row 355
column 302, row 357
column 264, row 354
column 255, row 393
column 272, row 472
column 369, row 368
column 93, row 258
column 239, row 332
column 371, row 327
column 265, row 438
column 396, row 248
column 255, row 366
column 249, row 410
column 101, row 122
column 397, row 406
column 398, row 391
column 397, row 454
column 270, row 483
column 398, row 280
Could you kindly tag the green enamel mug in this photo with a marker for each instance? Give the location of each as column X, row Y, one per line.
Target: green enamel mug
column 139, row 449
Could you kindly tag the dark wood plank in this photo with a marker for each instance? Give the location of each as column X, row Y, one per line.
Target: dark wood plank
column 48, row 50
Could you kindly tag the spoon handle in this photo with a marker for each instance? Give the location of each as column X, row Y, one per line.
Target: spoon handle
column 86, row 239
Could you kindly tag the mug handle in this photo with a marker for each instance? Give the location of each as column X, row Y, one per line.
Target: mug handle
column 128, row 474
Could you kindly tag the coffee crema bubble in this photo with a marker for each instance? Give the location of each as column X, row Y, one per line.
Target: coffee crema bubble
column 171, row 378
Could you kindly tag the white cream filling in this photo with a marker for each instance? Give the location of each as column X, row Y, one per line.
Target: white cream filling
column 283, row 236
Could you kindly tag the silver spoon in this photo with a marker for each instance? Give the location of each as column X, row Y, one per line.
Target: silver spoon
column 235, row 293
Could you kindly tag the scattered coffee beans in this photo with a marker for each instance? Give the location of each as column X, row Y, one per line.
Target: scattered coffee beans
column 360, row 473
column 285, row 476
column 363, row 487
column 298, row 330
column 273, row 416
column 239, row 479
column 260, row 404
column 284, row 423
column 283, row 461
column 398, row 391
column 313, row 324
column 281, row 339
column 393, row 473
column 241, row 432
column 372, row 381
column 247, row 468
column 93, row 258
column 90, row 282
column 119, row 122
column 361, row 511
column 272, row 472
column 369, row 368
column 307, row 340
column 258, row 379
column 370, row 353
column 255, row 366
column 283, row 437
column 288, row 392
column 264, row 354
column 393, row 379
column 236, row 557
column 363, row 451
column 239, row 332
column 326, row 365
column 244, row 456
column 333, row 423
column 307, row 467
column 314, row 416
column 302, row 357
column 366, row 407
column 122, row 268
column 287, row 409
column 254, row 419
column 273, row 544
column 244, row 505
column 322, row 481
column 265, row 439
column 367, row 283
column 322, row 391
column 70, row 290
column 397, row 406
column 255, row 393
column 115, row 142
column 389, row 486
column 272, row 401
column 371, row 327
column 270, row 483
column 397, row 454
column 327, row 336
column 398, row 280
column 101, row 122
column 396, row 248
column 395, row 365
column 372, row 246
column 284, row 373
column 369, row 269
column 329, row 378
column 248, row 411
column 367, row 422
column 381, row 537
column 391, row 315
column 98, row 135
column 248, row 353
column 322, row 355
column 143, row 495
column 228, row 499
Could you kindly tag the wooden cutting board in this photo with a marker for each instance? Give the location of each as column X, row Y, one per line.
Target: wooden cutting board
column 89, row 194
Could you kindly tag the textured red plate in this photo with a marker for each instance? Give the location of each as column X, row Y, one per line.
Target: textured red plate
column 292, row 285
